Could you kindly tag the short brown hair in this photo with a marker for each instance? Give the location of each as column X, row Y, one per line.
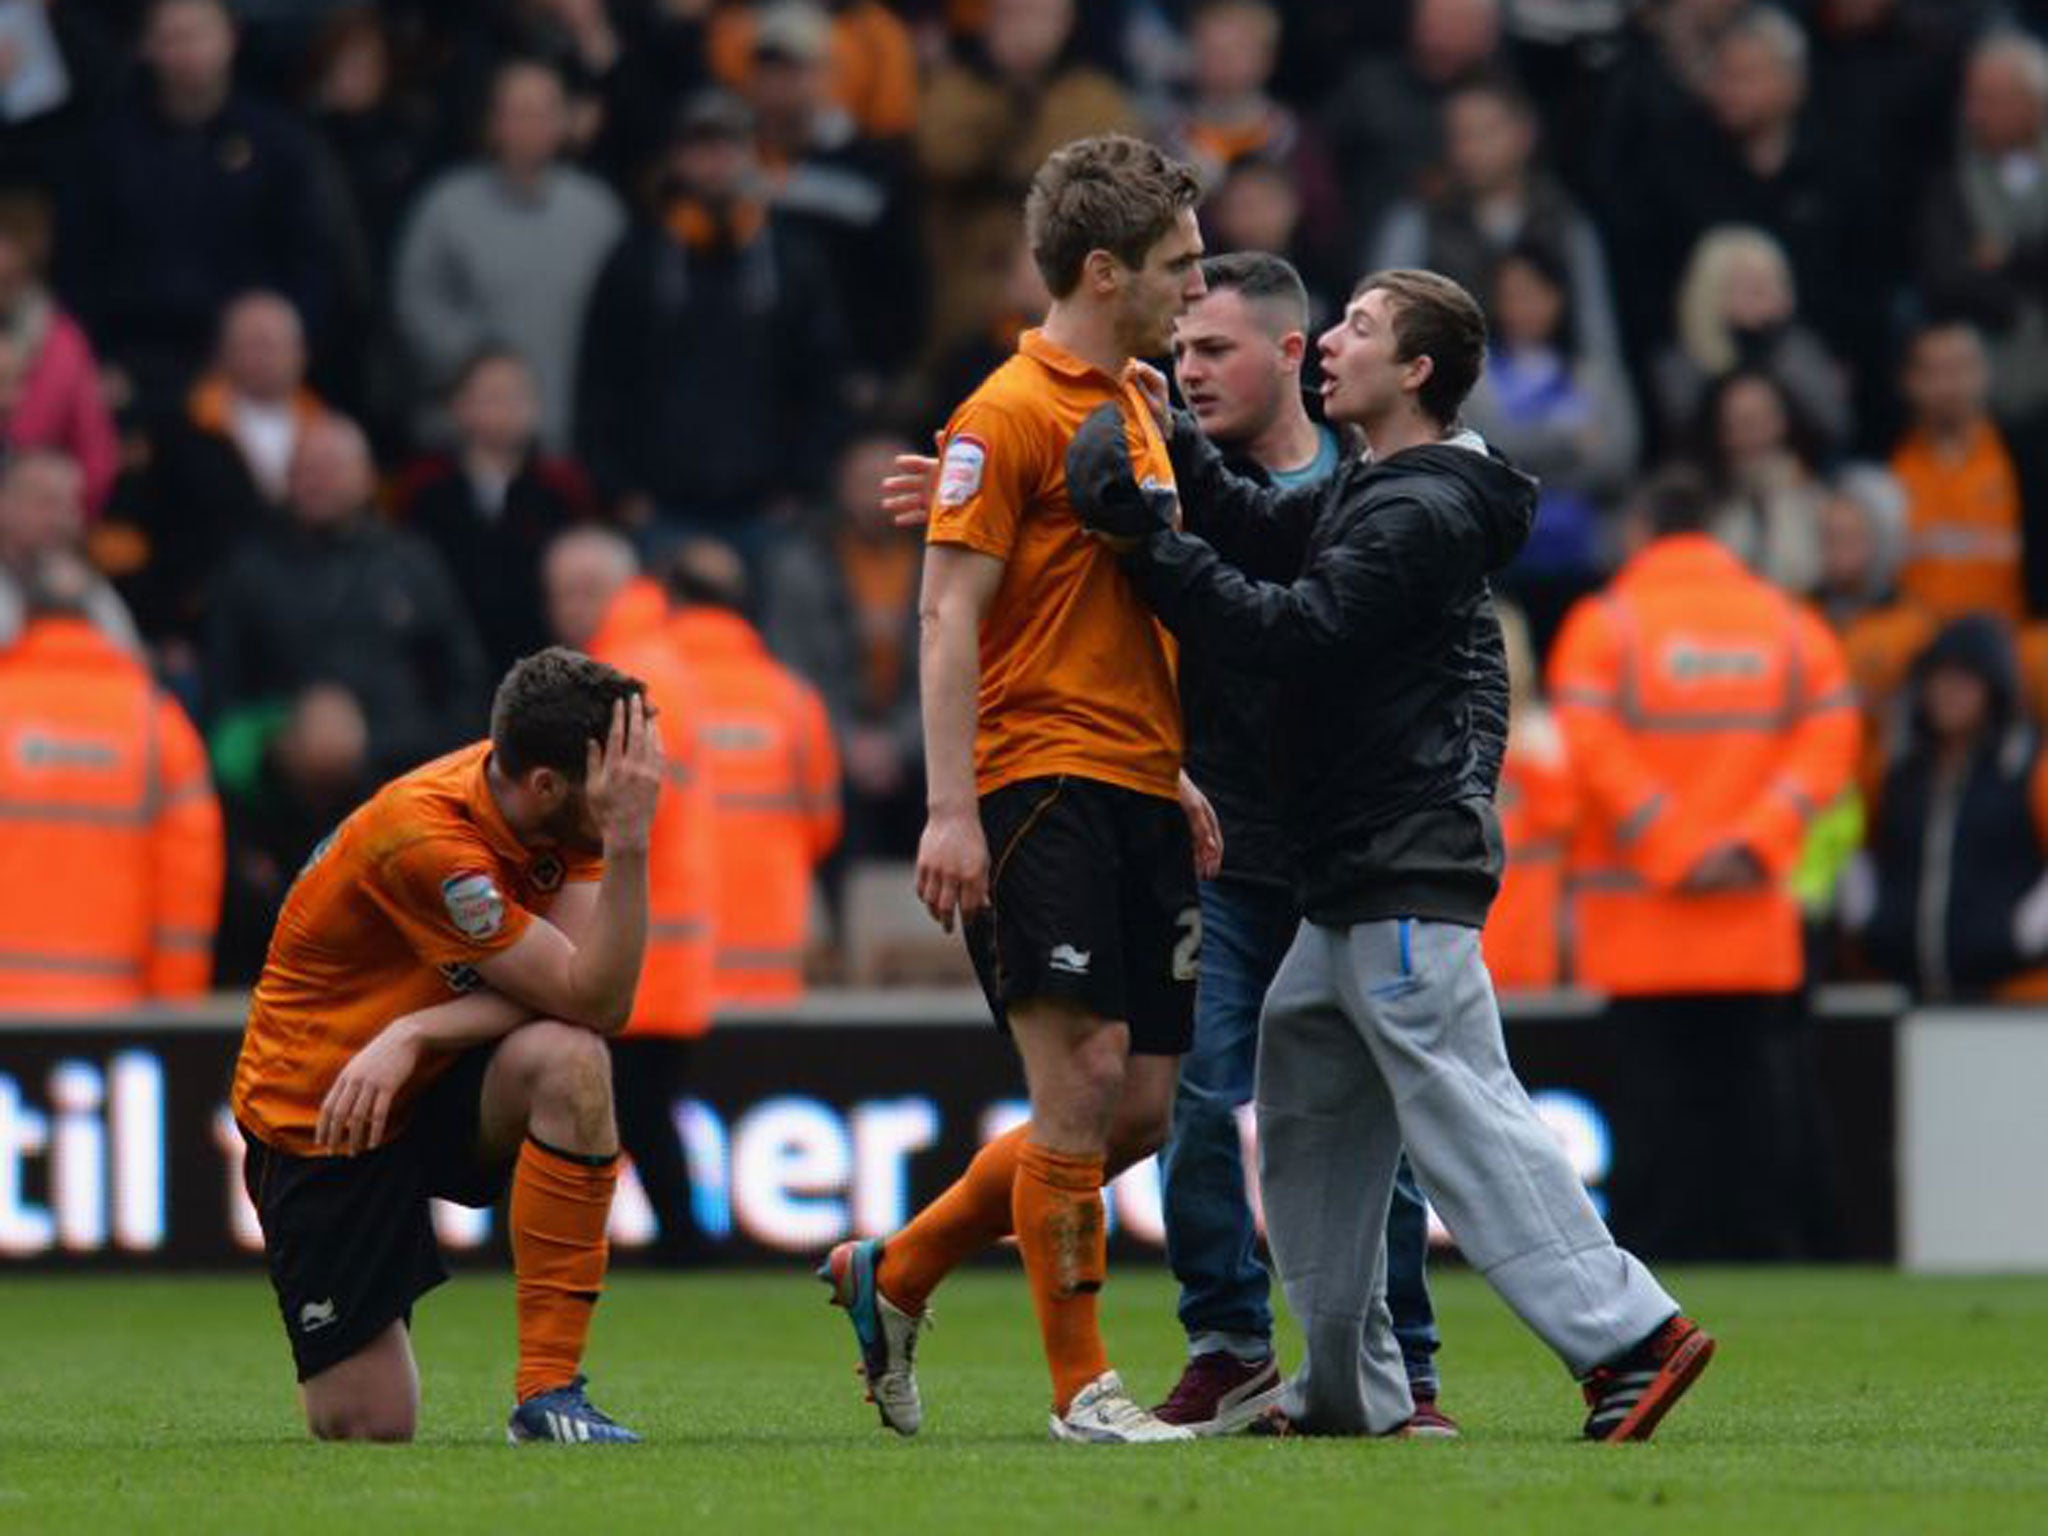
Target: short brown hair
column 1112, row 193
column 550, row 706
column 1435, row 318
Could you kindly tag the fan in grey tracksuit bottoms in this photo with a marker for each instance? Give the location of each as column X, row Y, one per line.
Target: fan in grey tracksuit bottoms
column 1381, row 1026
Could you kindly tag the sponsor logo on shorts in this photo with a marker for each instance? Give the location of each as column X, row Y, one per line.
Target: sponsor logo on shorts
column 315, row 1315
column 960, row 470
column 1072, row 961
column 474, row 905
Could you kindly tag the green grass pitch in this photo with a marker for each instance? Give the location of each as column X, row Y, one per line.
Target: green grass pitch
column 1848, row 1401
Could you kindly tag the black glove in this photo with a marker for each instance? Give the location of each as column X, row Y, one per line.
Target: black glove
column 1104, row 489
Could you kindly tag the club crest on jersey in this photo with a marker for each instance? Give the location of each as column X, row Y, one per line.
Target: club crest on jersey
column 474, row 905
column 545, row 872
column 960, row 470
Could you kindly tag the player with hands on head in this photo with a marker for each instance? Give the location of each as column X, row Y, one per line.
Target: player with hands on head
column 431, row 1021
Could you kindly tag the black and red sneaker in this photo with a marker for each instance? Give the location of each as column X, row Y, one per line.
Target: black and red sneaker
column 1219, row 1394
column 1431, row 1422
column 1631, row 1393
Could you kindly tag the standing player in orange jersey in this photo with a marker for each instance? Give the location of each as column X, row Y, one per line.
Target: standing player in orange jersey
column 1059, row 820
column 431, row 1021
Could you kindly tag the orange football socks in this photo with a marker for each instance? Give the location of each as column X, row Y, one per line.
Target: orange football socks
column 560, row 1202
column 1057, row 1202
column 968, row 1217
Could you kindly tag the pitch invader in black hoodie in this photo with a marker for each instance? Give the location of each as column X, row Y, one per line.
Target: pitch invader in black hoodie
column 1381, row 1027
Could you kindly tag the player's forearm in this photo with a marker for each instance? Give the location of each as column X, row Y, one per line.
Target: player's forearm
column 474, row 1018
column 604, row 972
column 950, row 670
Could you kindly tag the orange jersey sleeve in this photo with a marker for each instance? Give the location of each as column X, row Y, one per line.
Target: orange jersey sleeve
column 992, row 468
column 387, row 918
column 442, row 894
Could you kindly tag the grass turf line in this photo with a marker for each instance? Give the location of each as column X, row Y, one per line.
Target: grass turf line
column 1841, row 1401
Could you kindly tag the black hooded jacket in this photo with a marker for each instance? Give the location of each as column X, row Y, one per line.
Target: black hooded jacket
column 1365, row 599
column 1966, row 849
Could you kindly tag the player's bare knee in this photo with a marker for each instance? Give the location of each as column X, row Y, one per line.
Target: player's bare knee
column 1099, row 1065
column 574, row 1075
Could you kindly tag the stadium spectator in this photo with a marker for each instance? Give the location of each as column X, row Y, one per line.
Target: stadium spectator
column 1885, row 74
column 1964, row 519
column 989, row 118
column 63, row 63
column 1564, row 415
column 42, row 513
column 112, row 860
column 871, row 61
column 1707, row 718
column 1984, row 245
column 852, row 194
column 1231, row 116
column 506, row 251
column 1654, row 101
column 493, row 503
column 1737, row 308
column 1954, row 893
column 219, row 468
column 333, row 594
column 1258, row 207
column 1761, row 464
column 839, row 605
column 377, row 143
column 52, row 396
column 380, row 143
column 621, row 65
column 1757, row 160
column 713, row 353
column 1862, row 541
column 1493, row 196
column 774, row 773
column 1384, row 123
column 186, row 194
column 1525, row 940
column 309, row 773
column 599, row 603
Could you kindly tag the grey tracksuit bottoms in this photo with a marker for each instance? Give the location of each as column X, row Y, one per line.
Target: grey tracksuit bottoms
column 1385, row 1034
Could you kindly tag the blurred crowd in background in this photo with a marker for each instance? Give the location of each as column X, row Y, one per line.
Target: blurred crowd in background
column 320, row 324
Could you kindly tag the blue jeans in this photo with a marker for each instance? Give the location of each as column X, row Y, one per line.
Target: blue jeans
column 1246, row 931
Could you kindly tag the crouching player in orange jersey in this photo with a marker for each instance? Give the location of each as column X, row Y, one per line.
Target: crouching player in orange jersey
column 431, row 1021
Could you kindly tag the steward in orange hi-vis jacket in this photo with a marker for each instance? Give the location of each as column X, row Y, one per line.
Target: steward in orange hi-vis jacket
column 767, row 748
column 1707, row 718
column 1703, row 710
column 110, row 836
column 1524, row 938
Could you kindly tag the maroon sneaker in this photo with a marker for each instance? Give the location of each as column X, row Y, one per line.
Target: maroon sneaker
column 1630, row 1394
column 1219, row 1394
column 1274, row 1424
column 1431, row 1422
